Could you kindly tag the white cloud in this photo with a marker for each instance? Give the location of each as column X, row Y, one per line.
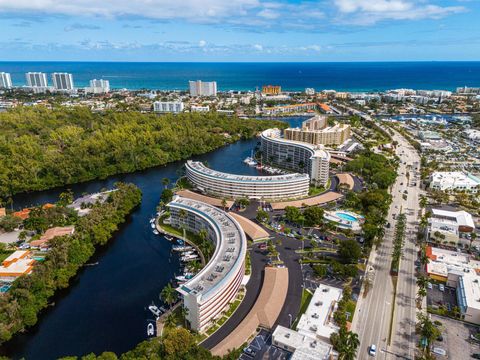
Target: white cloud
column 258, row 47
column 156, row 9
column 250, row 15
column 366, row 12
column 202, row 43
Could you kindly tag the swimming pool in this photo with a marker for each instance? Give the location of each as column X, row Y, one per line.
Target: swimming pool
column 4, row 288
column 346, row 216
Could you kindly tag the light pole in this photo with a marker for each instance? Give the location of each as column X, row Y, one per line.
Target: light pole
column 290, row 320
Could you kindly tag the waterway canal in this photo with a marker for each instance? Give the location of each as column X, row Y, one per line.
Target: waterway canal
column 105, row 307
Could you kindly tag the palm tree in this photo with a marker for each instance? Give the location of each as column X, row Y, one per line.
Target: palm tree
column 169, row 294
column 195, row 266
column 170, row 320
column 423, row 201
column 165, row 182
column 224, row 204
column 352, row 345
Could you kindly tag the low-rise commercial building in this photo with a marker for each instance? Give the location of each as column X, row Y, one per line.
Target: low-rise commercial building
column 311, row 339
column 460, row 271
column 17, row 264
column 254, row 187
column 296, row 156
column 454, row 180
column 451, row 226
column 209, row 292
column 168, row 106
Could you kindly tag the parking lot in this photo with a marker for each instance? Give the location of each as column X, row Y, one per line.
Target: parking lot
column 261, row 348
column 456, row 339
column 436, row 297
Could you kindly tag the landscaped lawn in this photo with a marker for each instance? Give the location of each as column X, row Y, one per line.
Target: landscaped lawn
column 306, row 297
column 4, row 255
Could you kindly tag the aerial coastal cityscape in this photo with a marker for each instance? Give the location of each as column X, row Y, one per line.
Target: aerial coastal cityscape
column 240, row 180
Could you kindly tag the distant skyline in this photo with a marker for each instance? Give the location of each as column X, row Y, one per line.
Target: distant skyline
column 240, row 30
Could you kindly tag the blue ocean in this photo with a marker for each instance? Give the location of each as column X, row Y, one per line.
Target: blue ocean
column 346, row 76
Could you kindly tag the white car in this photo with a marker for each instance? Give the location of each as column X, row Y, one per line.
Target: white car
column 373, row 350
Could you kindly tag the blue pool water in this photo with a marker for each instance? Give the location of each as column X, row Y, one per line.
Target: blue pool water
column 345, row 216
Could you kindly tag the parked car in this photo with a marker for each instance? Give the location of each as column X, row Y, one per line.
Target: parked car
column 430, row 286
column 373, row 350
column 249, row 351
column 441, row 287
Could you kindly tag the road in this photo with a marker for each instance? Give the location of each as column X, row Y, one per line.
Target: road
column 374, row 311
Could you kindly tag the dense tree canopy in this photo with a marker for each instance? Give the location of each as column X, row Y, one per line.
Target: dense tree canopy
column 30, row 294
column 374, row 168
column 42, row 148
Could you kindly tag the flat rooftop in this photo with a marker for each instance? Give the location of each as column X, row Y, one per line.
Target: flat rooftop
column 198, row 167
column 229, row 252
column 306, row 347
column 318, row 318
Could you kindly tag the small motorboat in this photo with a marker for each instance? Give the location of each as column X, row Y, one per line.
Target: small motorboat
column 152, row 220
column 155, row 310
column 150, row 330
column 156, row 232
column 152, row 225
column 169, row 238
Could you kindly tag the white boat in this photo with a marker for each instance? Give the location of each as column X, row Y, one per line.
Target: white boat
column 250, row 161
column 169, row 238
column 189, row 257
column 150, row 329
column 152, row 220
column 152, row 225
column 156, row 232
column 181, row 248
column 155, row 310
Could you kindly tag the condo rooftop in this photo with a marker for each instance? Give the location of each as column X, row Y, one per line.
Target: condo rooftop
column 229, row 251
column 198, row 166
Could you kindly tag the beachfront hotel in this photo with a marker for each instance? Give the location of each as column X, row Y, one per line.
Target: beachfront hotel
column 5, row 80
column 254, row 187
column 209, row 292
column 317, row 132
column 295, row 156
column 271, row 89
column 203, row 88
column 63, row 82
column 98, row 86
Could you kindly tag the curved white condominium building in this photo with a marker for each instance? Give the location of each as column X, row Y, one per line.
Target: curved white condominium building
column 296, row 156
column 254, row 187
column 208, row 293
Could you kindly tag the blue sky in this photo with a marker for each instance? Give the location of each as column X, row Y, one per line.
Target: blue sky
column 239, row 30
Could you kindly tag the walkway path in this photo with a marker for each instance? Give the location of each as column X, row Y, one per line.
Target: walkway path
column 315, row 200
column 253, row 230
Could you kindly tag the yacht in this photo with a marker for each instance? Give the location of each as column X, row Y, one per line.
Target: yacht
column 181, row 248
column 189, row 257
column 155, row 310
column 150, row 330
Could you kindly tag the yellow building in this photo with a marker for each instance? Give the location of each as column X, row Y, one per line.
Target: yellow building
column 315, row 131
column 271, row 89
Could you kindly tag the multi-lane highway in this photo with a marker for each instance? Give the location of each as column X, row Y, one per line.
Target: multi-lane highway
column 373, row 314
